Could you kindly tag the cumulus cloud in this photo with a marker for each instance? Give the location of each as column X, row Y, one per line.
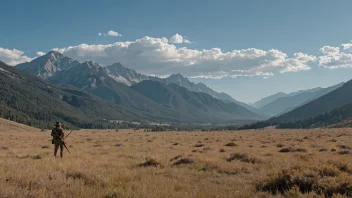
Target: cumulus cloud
column 113, row 33
column 177, row 38
column 187, row 41
column 13, row 57
column 159, row 57
column 336, row 57
column 39, row 53
column 110, row 33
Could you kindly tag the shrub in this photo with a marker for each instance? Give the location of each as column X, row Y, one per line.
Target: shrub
column 292, row 149
column 183, row 161
column 231, row 144
column 344, row 152
column 243, row 157
column 341, row 166
column 36, row 157
column 150, row 162
column 280, row 145
column 344, row 147
column 325, row 181
column 175, row 158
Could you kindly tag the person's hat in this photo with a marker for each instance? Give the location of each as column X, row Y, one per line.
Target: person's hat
column 58, row 124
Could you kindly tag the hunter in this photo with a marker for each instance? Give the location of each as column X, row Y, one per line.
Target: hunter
column 58, row 136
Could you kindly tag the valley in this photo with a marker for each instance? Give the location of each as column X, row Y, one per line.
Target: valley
column 175, row 99
column 129, row 163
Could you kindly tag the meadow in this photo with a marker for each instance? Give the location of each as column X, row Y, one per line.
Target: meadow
column 129, row 163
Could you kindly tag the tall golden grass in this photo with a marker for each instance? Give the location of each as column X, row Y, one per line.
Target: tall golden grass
column 106, row 163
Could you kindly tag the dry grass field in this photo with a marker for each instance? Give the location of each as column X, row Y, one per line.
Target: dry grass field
column 127, row 163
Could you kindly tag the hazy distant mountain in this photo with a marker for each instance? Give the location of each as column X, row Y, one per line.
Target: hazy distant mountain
column 331, row 108
column 193, row 103
column 296, row 99
column 47, row 65
column 200, row 87
column 182, row 81
column 323, row 104
column 272, row 98
column 268, row 99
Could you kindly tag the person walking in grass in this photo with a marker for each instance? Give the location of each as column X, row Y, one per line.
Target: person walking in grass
column 58, row 136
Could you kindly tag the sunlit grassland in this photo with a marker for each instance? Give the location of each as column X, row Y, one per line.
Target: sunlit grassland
column 131, row 163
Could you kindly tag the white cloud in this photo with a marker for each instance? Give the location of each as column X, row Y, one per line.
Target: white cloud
column 178, row 38
column 330, row 50
column 39, row 53
column 110, row 33
column 336, row 57
column 113, row 33
column 13, row 57
column 157, row 56
column 187, row 41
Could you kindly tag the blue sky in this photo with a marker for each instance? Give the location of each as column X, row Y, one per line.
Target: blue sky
column 289, row 27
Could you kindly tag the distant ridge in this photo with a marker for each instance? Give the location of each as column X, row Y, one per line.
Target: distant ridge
column 291, row 101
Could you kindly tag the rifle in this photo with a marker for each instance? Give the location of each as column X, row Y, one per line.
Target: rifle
column 68, row 135
column 63, row 143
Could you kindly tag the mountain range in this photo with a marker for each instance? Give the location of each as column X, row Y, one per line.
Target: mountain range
column 113, row 93
column 291, row 101
column 329, row 109
column 90, row 93
column 30, row 100
column 46, row 66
